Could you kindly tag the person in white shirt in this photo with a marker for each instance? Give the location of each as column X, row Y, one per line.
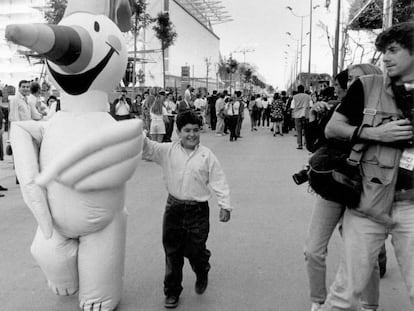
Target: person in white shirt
column 220, row 115
column 190, row 171
column 232, row 107
column 34, row 99
column 200, row 106
column 300, row 113
column 20, row 108
column 187, row 95
column 122, row 106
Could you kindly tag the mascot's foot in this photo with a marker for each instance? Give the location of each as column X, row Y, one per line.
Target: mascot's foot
column 97, row 306
column 63, row 291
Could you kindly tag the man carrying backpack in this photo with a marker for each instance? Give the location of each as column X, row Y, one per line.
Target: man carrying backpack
column 378, row 112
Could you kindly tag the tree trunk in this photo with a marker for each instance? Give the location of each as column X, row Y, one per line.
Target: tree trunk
column 163, row 65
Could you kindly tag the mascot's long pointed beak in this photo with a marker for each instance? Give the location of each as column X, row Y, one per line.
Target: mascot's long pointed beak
column 68, row 47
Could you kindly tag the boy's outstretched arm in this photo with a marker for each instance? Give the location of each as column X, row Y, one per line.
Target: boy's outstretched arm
column 153, row 151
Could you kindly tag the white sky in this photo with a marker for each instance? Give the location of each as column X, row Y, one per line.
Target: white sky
column 262, row 25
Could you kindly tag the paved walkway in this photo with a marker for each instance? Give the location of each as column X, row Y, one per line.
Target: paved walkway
column 257, row 258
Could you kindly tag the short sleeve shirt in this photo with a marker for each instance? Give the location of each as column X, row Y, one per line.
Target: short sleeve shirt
column 352, row 105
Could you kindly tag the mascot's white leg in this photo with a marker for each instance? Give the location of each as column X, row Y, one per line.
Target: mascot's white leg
column 57, row 257
column 101, row 266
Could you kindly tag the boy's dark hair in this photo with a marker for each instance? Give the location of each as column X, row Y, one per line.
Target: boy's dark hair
column 187, row 117
column 301, row 88
column 238, row 93
column 403, row 34
column 342, row 78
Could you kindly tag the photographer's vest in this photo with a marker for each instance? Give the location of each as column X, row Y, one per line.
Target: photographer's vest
column 379, row 163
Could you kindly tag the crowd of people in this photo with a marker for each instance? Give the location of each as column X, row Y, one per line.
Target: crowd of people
column 365, row 107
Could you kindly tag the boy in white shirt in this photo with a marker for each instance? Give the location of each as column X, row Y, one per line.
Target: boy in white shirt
column 190, row 170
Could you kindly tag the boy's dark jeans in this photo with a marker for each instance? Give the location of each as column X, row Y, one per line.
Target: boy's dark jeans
column 185, row 231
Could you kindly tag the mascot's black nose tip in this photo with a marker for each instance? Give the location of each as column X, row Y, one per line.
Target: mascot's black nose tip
column 67, row 48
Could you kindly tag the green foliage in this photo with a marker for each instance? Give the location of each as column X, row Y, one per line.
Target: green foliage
column 55, row 12
column 164, row 30
column 371, row 18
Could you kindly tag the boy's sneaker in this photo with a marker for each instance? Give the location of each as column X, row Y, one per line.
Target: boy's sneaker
column 201, row 284
column 171, row 302
column 316, row 306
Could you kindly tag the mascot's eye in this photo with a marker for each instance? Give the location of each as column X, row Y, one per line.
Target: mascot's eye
column 96, row 26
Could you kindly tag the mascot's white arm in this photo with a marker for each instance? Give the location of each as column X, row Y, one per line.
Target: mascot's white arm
column 104, row 159
column 26, row 138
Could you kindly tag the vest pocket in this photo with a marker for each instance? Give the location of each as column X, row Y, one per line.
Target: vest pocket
column 378, row 191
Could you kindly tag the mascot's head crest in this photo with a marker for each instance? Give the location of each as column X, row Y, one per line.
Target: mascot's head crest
column 119, row 11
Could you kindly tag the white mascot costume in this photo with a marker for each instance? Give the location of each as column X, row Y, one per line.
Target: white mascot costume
column 73, row 168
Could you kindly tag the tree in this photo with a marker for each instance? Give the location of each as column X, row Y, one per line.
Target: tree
column 57, row 8
column 140, row 19
column 371, row 17
column 164, row 31
column 231, row 68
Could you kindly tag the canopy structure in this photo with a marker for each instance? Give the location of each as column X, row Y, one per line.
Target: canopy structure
column 208, row 12
column 370, row 15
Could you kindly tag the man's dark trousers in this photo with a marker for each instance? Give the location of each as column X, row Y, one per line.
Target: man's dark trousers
column 185, row 231
column 169, row 128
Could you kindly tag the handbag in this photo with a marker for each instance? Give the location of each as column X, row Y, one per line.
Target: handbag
column 333, row 177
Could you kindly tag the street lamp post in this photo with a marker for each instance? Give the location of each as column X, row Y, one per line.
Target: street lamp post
column 301, row 34
column 297, row 55
column 311, row 8
column 310, row 45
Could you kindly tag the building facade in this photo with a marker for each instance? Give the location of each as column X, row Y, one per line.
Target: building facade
column 14, row 65
column 195, row 52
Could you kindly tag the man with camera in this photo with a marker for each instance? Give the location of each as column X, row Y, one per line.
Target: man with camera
column 378, row 113
column 121, row 107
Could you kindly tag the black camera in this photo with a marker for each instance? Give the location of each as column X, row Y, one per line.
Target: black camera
column 301, row 176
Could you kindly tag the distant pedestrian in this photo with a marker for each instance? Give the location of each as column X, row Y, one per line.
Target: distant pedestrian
column 253, row 112
column 276, row 115
column 232, row 106
column 300, row 113
column 220, row 113
column 1, row 135
column 146, row 108
column 171, row 108
column 241, row 113
column 158, row 113
column 211, row 110
column 122, row 106
column 265, row 112
column 20, row 108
